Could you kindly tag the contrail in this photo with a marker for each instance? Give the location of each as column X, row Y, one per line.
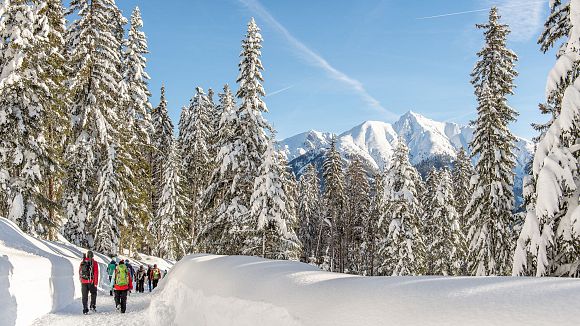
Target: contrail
column 279, row 91
column 480, row 10
column 317, row 60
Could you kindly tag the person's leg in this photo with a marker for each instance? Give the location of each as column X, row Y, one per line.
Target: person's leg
column 85, row 294
column 149, row 283
column 117, row 301
column 93, row 289
column 124, row 301
column 110, row 291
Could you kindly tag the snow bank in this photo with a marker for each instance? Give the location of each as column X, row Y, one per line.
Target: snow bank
column 237, row 290
column 38, row 276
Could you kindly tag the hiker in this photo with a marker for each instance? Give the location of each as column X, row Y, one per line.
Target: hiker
column 89, row 277
column 141, row 279
column 149, row 280
column 164, row 273
column 131, row 270
column 111, row 271
column 155, row 275
column 122, row 284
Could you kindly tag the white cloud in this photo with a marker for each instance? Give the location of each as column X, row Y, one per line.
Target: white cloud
column 317, row 60
column 525, row 17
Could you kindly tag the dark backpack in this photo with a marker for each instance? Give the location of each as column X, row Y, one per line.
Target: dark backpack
column 87, row 270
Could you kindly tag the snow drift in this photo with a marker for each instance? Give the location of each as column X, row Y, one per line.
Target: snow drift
column 237, row 290
column 38, row 276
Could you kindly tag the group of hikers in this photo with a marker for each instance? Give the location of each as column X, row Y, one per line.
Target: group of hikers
column 121, row 278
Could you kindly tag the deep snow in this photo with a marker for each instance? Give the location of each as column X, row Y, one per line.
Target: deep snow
column 238, row 290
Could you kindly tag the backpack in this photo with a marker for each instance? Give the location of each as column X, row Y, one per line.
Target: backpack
column 122, row 277
column 156, row 274
column 87, row 270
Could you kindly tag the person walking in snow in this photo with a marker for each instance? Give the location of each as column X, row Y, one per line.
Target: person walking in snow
column 111, row 271
column 122, row 284
column 149, row 279
column 131, row 270
column 141, row 279
column 89, row 277
column 155, row 275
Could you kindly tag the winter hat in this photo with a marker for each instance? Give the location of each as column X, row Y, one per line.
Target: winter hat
column 122, row 262
column 89, row 254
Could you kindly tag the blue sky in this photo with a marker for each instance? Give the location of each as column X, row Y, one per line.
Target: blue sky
column 330, row 65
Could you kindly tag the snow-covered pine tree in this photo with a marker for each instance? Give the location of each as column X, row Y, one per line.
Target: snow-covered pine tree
column 214, row 236
column 551, row 231
column 447, row 240
column 91, row 186
column 461, row 175
column 371, row 231
column 24, row 102
column 136, row 135
column 309, row 216
column 109, row 206
column 162, row 142
column 173, row 224
column 56, row 122
column 195, row 145
column 490, row 208
column 403, row 251
column 429, row 200
column 271, row 224
column 357, row 209
column 290, row 187
column 239, row 157
column 332, row 226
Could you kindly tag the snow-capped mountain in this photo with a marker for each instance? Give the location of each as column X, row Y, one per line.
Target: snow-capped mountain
column 375, row 141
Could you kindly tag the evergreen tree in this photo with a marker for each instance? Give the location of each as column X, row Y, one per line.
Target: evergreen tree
column 309, row 214
column 430, row 224
column 136, row 134
column 334, row 207
column 550, row 236
column 274, row 236
column 372, row 234
column 492, row 201
column 214, row 236
column 162, row 142
column 24, row 104
column 461, row 175
column 173, row 225
column 195, row 134
column 240, row 155
column 402, row 251
column 357, row 208
column 462, row 191
column 55, row 123
column 91, row 186
column 446, row 246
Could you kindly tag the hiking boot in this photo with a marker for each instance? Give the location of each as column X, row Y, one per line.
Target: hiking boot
column 94, row 309
column 85, row 311
column 118, row 307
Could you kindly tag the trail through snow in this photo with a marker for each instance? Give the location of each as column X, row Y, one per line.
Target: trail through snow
column 107, row 314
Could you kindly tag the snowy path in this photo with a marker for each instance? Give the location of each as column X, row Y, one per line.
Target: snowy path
column 137, row 309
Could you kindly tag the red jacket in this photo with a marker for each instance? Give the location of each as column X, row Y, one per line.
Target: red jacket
column 129, row 286
column 95, row 279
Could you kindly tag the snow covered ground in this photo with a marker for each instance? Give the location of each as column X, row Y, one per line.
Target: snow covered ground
column 39, row 286
column 236, row 290
column 38, row 277
column 106, row 314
